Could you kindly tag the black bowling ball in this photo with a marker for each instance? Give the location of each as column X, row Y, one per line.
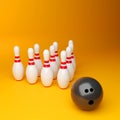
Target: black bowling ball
column 87, row 93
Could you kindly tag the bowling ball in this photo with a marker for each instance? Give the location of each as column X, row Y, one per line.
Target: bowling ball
column 87, row 93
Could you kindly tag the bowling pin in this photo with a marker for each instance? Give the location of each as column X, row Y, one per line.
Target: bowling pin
column 56, row 53
column 31, row 70
column 69, row 63
column 46, row 72
column 63, row 76
column 53, row 63
column 71, row 45
column 17, row 68
column 37, row 59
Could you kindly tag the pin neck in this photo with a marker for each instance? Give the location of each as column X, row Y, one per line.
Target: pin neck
column 46, row 64
column 17, row 59
column 72, row 55
column 31, row 61
column 63, row 65
column 52, row 58
column 37, row 56
column 68, row 61
column 56, row 53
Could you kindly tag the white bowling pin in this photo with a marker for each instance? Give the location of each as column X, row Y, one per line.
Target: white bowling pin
column 37, row 59
column 56, row 53
column 69, row 63
column 53, row 63
column 17, row 68
column 71, row 44
column 46, row 72
column 63, row 76
column 31, row 70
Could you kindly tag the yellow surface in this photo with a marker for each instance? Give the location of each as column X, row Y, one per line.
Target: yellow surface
column 94, row 27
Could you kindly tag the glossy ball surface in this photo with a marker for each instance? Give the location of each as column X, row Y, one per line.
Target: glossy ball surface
column 87, row 93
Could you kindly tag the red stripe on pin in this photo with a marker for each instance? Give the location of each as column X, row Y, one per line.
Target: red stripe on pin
column 37, row 57
column 72, row 57
column 68, row 57
column 46, row 61
column 63, row 67
column 46, row 65
column 56, row 55
column 69, row 61
column 63, row 63
column 31, row 63
column 52, row 56
column 17, row 56
column 36, row 54
column 17, row 60
column 56, row 51
column 31, row 59
column 52, row 60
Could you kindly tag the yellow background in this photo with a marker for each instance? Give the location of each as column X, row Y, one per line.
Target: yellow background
column 94, row 27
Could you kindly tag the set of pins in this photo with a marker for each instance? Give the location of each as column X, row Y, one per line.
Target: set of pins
column 52, row 68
